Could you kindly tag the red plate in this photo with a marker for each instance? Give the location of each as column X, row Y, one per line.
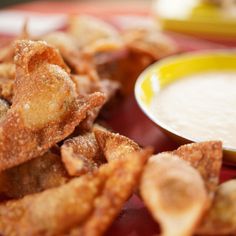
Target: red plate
column 134, row 219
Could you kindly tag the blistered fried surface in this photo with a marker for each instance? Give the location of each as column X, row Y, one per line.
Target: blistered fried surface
column 33, row 176
column 4, row 107
column 206, row 157
column 81, row 154
column 175, row 194
column 6, row 89
column 45, row 106
column 88, row 30
column 114, row 193
column 7, row 71
column 150, row 41
column 7, row 76
column 67, row 45
column 90, row 203
column 84, row 85
column 221, row 218
column 113, row 145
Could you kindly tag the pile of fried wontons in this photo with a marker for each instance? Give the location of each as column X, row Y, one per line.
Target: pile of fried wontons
column 61, row 173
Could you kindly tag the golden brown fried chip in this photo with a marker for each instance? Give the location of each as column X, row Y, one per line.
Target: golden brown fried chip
column 114, row 145
column 175, row 194
column 88, row 30
column 69, row 50
column 117, row 189
column 7, row 71
column 90, row 203
column 221, row 218
column 81, row 154
column 206, row 157
column 62, row 41
column 84, row 85
column 4, row 107
column 6, row 89
column 33, row 176
column 150, row 41
column 7, row 76
column 42, row 86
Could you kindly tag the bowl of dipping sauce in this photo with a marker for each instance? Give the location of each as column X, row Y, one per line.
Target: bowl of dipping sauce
column 192, row 97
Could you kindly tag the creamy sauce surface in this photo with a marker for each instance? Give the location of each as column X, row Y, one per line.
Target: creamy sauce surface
column 200, row 107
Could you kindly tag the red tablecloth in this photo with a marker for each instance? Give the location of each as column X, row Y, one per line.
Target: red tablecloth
column 134, row 218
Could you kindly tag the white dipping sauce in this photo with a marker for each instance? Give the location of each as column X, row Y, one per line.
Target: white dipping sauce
column 200, row 107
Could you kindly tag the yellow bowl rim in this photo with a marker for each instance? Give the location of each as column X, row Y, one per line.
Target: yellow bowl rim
column 158, row 64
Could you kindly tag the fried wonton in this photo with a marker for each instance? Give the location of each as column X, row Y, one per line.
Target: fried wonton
column 81, row 154
column 89, row 203
column 107, row 87
column 4, row 107
column 89, row 30
column 70, row 52
column 7, row 76
column 221, row 218
column 33, row 176
column 45, row 108
column 7, row 71
column 150, row 41
column 175, row 194
column 114, row 145
column 6, row 89
column 206, row 157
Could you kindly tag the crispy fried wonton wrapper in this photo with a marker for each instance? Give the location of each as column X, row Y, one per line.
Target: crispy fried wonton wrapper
column 7, row 71
column 33, row 176
column 4, row 107
column 89, row 203
column 175, row 194
column 7, row 76
column 81, row 154
column 113, row 145
column 6, row 89
column 89, row 30
column 149, row 41
column 84, row 86
column 221, row 218
column 71, row 53
column 45, row 106
column 206, row 157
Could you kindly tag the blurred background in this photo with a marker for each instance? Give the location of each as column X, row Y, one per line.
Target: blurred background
column 4, row 3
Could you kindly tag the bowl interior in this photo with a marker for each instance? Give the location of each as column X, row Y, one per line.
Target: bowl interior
column 162, row 73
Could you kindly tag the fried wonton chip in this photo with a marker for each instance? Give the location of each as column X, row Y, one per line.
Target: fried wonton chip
column 7, row 71
column 150, row 41
column 88, row 30
column 81, row 154
column 221, row 218
column 45, row 108
column 7, row 76
column 4, row 107
column 114, row 145
column 84, row 85
column 89, row 203
column 70, row 52
column 33, row 176
column 6, row 89
column 175, row 194
column 206, row 157
column 117, row 189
